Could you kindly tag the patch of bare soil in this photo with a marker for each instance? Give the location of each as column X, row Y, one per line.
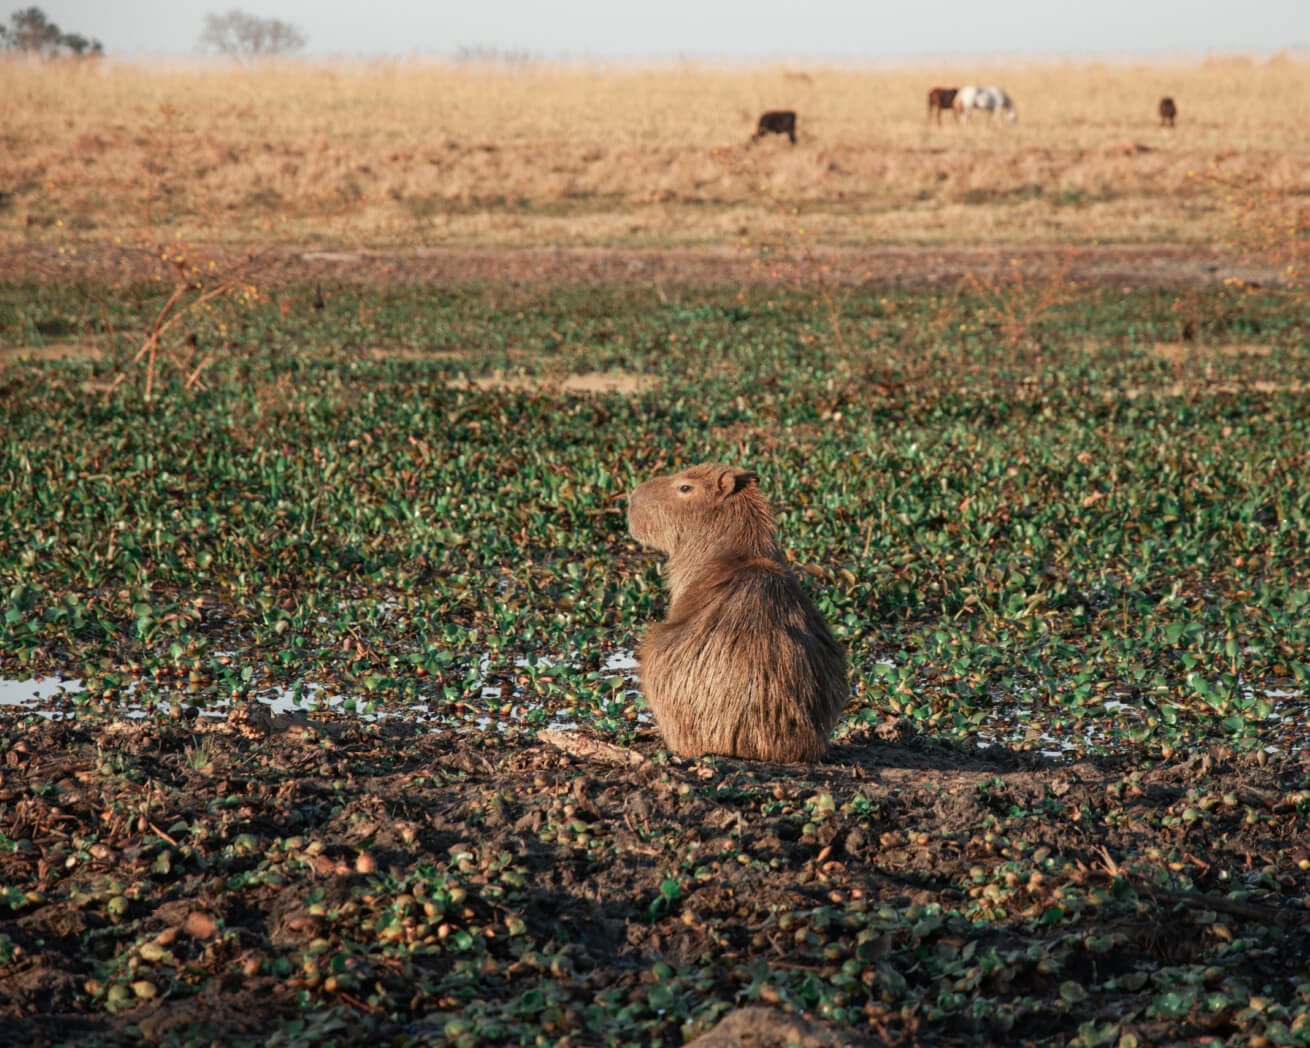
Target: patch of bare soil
column 614, row 381
column 185, row 882
column 1205, row 386
column 1191, row 352
column 59, row 349
column 586, row 382
column 1113, row 265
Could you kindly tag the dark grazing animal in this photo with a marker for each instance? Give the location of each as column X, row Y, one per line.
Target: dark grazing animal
column 940, row 98
column 1168, row 111
column 777, row 122
column 744, row 664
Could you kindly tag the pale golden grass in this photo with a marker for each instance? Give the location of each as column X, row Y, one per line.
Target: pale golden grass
column 383, row 155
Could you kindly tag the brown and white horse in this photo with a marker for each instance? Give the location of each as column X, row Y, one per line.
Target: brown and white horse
column 992, row 99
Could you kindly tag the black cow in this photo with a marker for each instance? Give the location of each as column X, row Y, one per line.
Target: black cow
column 777, row 122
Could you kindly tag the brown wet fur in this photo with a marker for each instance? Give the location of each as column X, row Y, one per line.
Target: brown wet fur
column 744, row 665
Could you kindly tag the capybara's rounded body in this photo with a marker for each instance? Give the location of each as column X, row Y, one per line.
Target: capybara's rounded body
column 744, row 665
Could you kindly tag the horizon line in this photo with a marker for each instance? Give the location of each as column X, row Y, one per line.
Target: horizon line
column 476, row 56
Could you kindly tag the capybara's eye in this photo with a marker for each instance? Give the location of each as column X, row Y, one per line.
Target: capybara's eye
column 684, row 488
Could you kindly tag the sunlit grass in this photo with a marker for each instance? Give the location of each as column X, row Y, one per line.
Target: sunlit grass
column 431, row 153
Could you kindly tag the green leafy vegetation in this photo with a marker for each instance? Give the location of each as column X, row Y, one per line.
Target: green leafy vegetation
column 1084, row 519
column 1064, row 539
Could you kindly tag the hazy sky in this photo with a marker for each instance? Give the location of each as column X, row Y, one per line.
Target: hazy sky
column 847, row 29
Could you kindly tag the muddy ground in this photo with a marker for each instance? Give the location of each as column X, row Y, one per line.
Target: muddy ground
column 1098, row 265
column 212, row 881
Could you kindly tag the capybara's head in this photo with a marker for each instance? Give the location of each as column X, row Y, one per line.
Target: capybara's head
column 710, row 508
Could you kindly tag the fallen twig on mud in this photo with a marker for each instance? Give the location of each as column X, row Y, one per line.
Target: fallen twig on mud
column 586, row 748
column 1280, row 916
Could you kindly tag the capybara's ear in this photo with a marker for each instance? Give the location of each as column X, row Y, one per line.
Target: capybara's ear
column 726, row 482
column 734, row 480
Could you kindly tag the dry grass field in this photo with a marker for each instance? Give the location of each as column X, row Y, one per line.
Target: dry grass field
column 537, row 155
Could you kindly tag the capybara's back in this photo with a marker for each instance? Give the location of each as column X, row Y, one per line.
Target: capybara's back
column 744, row 665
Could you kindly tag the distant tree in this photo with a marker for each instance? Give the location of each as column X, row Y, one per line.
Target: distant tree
column 80, row 45
column 247, row 36
column 482, row 53
column 31, row 32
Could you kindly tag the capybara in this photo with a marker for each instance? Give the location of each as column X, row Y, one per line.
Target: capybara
column 778, row 122
column 744, row 665
column 1168, row 111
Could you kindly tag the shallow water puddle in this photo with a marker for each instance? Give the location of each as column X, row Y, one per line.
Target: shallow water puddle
column 1020, row 725
column 58, row 697
column 36, row 695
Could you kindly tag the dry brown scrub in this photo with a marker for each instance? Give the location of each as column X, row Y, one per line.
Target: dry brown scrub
column 437, row 154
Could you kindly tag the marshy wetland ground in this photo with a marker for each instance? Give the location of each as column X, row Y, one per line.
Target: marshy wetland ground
column 312, row 543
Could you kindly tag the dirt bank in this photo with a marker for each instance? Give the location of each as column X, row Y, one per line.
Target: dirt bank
column 1138, row 265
